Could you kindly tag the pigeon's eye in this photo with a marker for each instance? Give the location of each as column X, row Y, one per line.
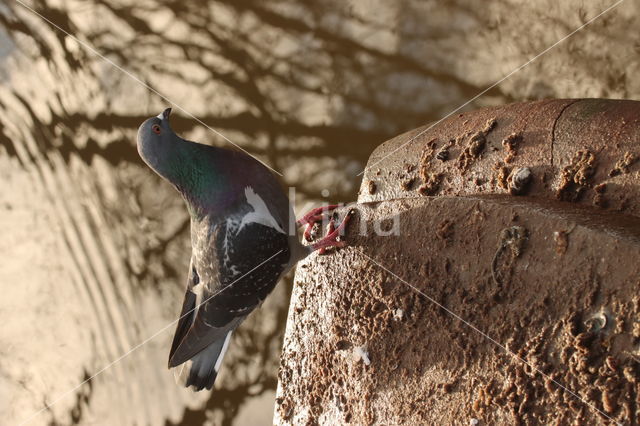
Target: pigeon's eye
column 156, row 129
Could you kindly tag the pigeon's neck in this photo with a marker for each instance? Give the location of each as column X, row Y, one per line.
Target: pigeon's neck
column 193, row 170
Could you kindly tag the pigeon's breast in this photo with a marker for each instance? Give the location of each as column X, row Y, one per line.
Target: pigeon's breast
column 239, row 263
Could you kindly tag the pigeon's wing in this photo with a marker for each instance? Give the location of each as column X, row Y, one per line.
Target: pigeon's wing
column 185, row 320
column 193, row 333
column 250, row 259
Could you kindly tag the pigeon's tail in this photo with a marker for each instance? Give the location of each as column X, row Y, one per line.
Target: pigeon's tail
column 200, row 371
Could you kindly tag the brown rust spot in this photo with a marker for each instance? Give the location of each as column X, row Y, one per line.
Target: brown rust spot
column 609, row 401
column 431, row 184
column 425, row 159
column 576, row 177
column 407, row 184
column 611, row 362
column 501, row 175
column 427, row 156
column 489, row 126
column 471, row 153
column 285, row 407
column 475, row 146
column 622, row 166
column 372, row 187
column 510, row 144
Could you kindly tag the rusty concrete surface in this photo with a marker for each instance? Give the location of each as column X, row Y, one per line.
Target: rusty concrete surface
column 490, row 295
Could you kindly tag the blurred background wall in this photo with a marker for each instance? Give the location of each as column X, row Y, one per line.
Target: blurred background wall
column 95, row 247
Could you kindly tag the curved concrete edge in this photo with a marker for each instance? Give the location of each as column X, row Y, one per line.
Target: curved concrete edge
column 579, row 150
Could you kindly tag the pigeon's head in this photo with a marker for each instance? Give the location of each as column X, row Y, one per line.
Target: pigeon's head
column 156, row 140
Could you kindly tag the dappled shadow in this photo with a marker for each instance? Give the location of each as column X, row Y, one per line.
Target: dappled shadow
column 310, row 88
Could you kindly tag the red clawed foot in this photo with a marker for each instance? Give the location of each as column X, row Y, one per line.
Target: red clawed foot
column 314, row 216
column 330, row 230
column 331, row 239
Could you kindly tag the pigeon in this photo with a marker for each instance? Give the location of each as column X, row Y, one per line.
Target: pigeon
column 242, row 236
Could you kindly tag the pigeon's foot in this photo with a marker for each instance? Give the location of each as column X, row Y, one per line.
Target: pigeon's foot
column 331, row 239
column 314, row 216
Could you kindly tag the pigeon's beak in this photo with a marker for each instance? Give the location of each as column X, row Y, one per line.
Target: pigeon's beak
column 164, row 115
